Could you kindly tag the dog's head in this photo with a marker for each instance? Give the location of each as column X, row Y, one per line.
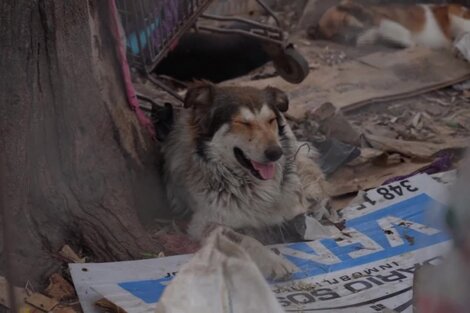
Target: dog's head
column 337, row 24
column 240, row 127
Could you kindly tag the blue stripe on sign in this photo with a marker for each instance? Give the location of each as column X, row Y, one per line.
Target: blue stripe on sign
column 415, row 209
column 148, row 291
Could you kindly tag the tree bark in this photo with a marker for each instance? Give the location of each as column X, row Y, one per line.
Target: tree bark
column 75, row 166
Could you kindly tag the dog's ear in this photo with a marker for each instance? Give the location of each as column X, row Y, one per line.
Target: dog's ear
column 277, row 98
column 199, row 96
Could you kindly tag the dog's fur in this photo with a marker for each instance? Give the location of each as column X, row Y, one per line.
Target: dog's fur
column 428, row 25
column 205, row 173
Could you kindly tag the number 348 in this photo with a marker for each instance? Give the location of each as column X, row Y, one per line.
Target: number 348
column 395, row 190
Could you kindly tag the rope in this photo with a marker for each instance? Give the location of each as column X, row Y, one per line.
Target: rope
column 119, row 37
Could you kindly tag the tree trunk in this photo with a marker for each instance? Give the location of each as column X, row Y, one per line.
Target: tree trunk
column 75, row 167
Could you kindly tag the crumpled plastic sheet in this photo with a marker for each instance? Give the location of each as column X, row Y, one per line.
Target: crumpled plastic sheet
column 220, row 278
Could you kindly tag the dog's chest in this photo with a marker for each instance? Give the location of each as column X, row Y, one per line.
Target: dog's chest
column 259, row 203
column 248, row 203
column 235, row 193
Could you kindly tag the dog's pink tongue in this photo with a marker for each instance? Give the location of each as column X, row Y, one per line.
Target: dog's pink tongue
column 266, row 171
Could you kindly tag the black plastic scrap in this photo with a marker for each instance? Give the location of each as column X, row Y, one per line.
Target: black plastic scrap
column 334, row 154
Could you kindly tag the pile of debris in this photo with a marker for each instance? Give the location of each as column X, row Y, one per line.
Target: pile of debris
column 59, row 296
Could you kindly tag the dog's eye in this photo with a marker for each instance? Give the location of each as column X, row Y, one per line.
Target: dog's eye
column 243, row 123
column 272, row 120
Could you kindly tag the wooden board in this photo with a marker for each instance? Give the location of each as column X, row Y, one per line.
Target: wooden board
column 380, row 76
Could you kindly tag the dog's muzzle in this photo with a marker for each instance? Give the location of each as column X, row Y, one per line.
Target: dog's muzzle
column 263, row 171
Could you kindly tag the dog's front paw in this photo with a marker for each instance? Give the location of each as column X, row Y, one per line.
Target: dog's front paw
column 275, row 267
column 271, row 265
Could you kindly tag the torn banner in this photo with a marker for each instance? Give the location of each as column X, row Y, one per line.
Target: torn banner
column 367, row 269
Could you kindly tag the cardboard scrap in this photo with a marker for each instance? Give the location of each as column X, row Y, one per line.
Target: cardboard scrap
column 417, row 149
column 349, row 180
column 70, row 255
column 109, row 306
column 41, row 302
column 381, row 76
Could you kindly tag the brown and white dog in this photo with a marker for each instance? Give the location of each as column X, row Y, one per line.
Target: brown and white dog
column 402, row 25
column 232, row 160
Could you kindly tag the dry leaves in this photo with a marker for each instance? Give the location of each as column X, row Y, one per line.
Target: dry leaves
column 59, row 288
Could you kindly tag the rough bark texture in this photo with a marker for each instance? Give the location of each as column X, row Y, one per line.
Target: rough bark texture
column 75, row 166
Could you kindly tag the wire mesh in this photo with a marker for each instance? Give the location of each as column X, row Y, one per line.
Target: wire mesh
column 151, row 27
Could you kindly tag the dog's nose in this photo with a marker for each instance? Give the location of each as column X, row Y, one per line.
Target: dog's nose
column 273, row 153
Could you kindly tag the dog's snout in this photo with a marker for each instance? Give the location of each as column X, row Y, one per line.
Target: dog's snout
column 273, row 153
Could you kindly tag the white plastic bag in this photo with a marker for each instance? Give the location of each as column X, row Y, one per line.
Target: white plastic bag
column 220, row 278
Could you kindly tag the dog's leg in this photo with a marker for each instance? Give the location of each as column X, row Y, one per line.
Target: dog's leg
column 368, row 37
column 310, row 174
column 396, row 34
column 271, row 265
column 200, row 225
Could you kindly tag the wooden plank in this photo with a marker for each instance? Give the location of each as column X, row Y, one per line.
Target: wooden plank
column 416, row 149
column 377, row 77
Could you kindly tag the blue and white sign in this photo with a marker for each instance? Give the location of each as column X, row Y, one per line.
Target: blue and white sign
column 367, row 269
